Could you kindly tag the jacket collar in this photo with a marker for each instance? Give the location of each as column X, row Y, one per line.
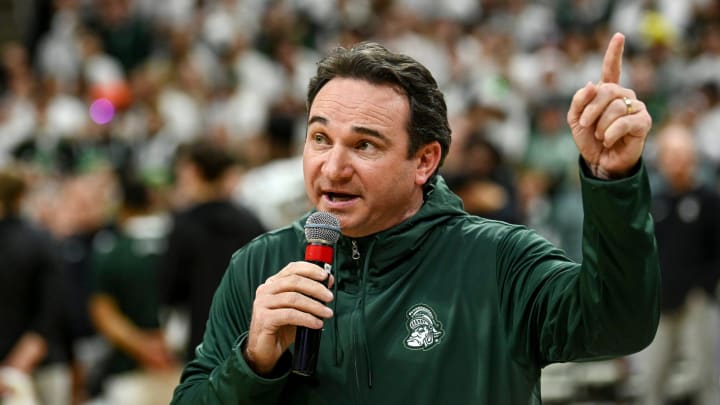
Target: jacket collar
column 393, row 245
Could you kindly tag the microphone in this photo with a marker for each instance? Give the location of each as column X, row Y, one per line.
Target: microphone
column 322, row 231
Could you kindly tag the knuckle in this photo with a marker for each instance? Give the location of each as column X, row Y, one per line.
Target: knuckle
column 262, row 312
column 608, row 88
column 259, row 305
column 294, row 299
column 287, row 317
column 295, row 282
column 262, row 289
column 288, row 269
column 578, row 95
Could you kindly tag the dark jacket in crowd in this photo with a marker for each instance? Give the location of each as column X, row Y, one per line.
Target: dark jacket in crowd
column 30, row 293
column 687, row 228
column 200, row 245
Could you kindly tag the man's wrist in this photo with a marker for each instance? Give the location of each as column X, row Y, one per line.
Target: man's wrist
column 598, row 172
column 249, row 358
column 280, row 368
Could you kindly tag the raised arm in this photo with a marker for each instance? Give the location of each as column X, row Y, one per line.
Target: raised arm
column 556, row 310
column 609, row 124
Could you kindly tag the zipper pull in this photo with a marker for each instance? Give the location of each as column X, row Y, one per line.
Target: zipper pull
column 355, row 250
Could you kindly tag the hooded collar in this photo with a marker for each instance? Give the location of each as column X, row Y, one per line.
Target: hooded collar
column 393, row 245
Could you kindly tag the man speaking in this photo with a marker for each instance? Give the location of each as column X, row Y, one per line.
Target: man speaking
column 426, row 303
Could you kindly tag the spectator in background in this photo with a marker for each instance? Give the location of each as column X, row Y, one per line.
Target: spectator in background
column 687, row 228
column 550, row 164
column 30, row 301
column 125, row 303
column 79, row 210
column 551, row 147
column 486, row 184
column 707, row 124
column 125, row 34
column 18, row 116
column 205, row 233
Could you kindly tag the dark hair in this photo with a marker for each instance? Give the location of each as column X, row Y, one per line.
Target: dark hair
column 375, row 64
column 211, row 159
column 12, row 187
column 136, row 195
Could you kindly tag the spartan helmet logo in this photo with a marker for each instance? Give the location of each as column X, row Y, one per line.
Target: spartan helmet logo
column 424, row 330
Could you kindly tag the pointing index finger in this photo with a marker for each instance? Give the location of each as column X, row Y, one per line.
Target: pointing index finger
column 612, row 62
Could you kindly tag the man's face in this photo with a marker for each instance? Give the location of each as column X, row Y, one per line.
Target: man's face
column 355, row 160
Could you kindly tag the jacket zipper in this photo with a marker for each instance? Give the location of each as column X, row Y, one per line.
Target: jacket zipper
column 356, row 257
column 359, row 327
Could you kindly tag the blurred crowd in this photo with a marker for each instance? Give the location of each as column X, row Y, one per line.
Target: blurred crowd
column 142, row 141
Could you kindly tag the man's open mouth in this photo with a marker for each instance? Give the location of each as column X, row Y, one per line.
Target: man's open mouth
column 335, row 197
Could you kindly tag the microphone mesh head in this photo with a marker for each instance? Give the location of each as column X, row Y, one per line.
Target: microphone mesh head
column 322, row 227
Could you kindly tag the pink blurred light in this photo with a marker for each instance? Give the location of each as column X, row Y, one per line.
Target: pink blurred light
column 102, row 111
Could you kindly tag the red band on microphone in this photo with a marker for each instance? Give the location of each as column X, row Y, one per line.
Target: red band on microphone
column 319, row 253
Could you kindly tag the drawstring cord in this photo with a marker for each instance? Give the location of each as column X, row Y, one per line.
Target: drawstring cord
column 334, row 318
column 368, row 359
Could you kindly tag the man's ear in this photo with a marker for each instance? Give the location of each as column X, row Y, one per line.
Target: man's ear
column 428, row 159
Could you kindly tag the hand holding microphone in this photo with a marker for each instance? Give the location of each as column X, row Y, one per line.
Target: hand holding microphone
column 322, row 230
column 294, row 298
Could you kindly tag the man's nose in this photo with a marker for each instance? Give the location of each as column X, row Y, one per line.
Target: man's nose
column 338, row 165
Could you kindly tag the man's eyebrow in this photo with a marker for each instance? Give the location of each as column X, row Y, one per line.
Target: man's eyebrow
column 318, row 119
column 371, row 132
column 359, row 129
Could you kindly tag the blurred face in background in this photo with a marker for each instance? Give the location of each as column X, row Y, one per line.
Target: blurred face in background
column 83, row 203
column 677, row 157
column 113, row 12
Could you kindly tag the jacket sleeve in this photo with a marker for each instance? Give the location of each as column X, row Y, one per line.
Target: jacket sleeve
column 219, row 373
column 175, row 263
column 710, row 273
column 44, row 266
column 555, row 310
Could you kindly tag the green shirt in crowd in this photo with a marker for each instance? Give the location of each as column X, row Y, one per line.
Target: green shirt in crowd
column 125, row 267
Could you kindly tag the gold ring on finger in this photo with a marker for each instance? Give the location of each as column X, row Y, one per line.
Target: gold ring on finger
column 628, row 106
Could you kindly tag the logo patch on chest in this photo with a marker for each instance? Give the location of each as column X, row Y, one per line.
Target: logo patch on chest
column 424, row 330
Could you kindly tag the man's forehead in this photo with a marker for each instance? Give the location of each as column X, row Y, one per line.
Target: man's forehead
column 358, row 100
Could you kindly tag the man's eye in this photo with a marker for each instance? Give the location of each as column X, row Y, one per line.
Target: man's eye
column 319, row 138
column 365, row 145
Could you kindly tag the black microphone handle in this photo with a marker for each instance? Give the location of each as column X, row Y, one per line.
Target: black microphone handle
column 307, row 345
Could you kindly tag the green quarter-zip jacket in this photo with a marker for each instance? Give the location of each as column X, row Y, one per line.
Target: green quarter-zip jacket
column 445, row 307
